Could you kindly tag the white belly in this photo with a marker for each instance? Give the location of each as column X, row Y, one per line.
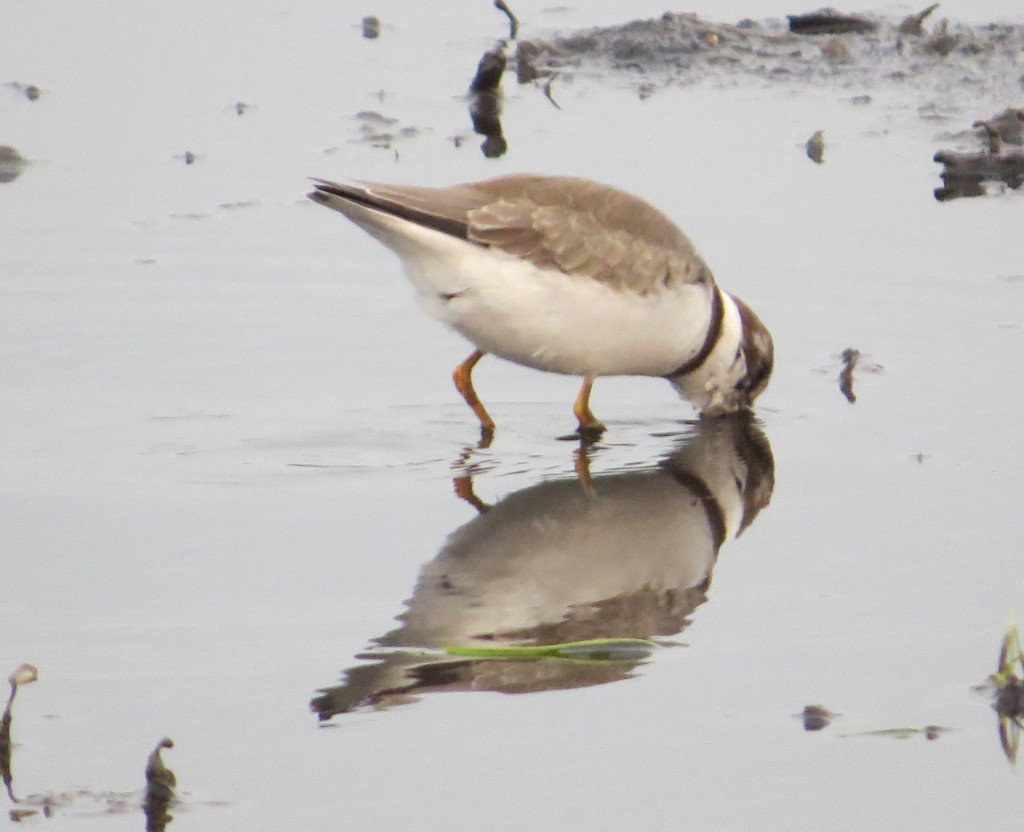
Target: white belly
column 552, row 321
column 547, row 320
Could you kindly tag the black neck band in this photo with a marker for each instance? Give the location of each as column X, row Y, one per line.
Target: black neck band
column 710, row 340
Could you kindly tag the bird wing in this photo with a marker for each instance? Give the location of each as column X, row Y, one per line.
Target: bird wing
column 579, row 227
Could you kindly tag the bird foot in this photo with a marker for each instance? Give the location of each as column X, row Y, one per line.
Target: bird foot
column 585, row 434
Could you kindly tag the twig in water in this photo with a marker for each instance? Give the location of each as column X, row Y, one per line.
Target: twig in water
column 547, row 93
column 513, row 22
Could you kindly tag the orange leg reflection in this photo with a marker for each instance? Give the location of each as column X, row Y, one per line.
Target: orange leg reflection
column 581, row 462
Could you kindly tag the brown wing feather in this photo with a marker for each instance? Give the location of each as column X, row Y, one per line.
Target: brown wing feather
column 587, row 229
column 579, row 227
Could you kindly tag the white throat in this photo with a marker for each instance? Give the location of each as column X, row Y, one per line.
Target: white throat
column 711, row 388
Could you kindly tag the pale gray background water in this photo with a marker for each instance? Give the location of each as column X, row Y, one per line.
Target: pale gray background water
column 227, row 433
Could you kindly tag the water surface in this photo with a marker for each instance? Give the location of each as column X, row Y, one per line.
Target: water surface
column 230, row 441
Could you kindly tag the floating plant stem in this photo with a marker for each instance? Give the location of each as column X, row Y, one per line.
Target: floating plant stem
column 598, row 649
column 24, row 675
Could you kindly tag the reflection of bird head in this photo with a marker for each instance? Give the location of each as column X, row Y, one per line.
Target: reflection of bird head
column 733, row 458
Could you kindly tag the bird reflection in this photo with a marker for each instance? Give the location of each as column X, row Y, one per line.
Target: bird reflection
column 630, row 555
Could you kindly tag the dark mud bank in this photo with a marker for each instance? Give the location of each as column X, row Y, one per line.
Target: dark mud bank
column 679, row 48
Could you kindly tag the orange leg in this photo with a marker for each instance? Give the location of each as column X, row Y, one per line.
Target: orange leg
column 463, row 377
column 590, row 427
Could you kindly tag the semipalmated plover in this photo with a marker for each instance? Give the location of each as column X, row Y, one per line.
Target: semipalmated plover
column 568, row 276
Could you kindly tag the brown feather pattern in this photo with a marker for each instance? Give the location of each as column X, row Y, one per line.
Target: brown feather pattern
column 581, row 228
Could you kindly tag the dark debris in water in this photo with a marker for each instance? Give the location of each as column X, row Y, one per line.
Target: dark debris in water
column 485, row 102
column 161, row 785
column 1008, row 681
column 850, row 357
column 513, row 21
column 1009, row 707
column 12, row 164
column 829, row 22
column 914, row 24
column 160, row 794
column 816, row 147
column 30, row 91
column 1010, row 699
column 488, row 72
column 371, row 27
column 379, row 130
column 816, row 717
column 965, row 173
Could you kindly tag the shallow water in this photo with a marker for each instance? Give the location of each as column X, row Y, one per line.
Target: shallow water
column 230, row 441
